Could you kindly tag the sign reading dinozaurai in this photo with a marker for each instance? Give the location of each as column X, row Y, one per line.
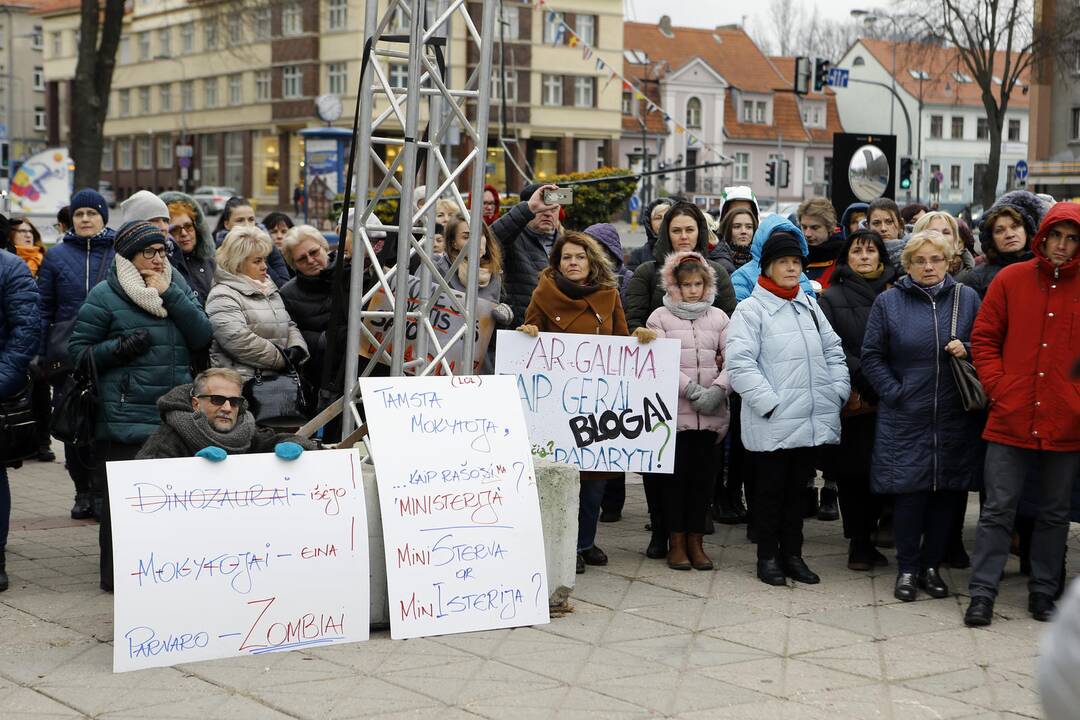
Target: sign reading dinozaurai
column 598, row 402
column 460, row 508
column 246, row 556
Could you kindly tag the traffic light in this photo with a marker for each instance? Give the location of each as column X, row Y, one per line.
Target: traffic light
column 803, row 71
column 905, row 173
column 770, row 173
column 783, row 178
column 821, row 73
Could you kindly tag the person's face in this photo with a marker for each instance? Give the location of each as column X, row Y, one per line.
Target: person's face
column 574, row 263
column 438, row 243
column 254, row 266
column 884, row 224
column 942, row 226
column 490, row 206
column 240, row 215
column 88, row 222
column 182, row 229
column 150, row 259
column 683, row 233
column 742, row 230
column 853, row 221
column 692, row 287
column 1061, row 242
column 785, row 271
column 916, row 216
column 223, row 416
column 863, row 257
column 545, row 221
column 815, row 229
column 22, row 235
column 461, row 237
column 441, row 216
column 309, row 257
column 1008, row 234
column 657, row 216
column 928, row 265
column 277, row 234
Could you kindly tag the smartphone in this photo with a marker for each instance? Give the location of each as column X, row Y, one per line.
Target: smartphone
column 559, row 196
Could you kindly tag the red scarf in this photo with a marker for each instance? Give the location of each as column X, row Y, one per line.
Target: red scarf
column 786, row 293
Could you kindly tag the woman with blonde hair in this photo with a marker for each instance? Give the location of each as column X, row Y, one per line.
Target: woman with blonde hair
column 489, row 285
column 946, row 224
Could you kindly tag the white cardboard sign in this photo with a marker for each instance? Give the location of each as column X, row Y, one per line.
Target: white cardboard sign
column 598, row 402
column 460, row 508
column 241, row 557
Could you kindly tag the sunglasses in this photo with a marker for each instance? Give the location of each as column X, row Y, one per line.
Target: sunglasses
column 219, row 400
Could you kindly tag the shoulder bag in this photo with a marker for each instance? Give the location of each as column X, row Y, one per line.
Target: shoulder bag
column 74, row 418
column 971, row 390
column 278, row 400
column 18, row 431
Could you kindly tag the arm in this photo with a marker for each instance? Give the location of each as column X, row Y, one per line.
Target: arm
column 46, row 281
column 741, row 352
column 833, row 350
column 618, row 320
column 988, row 337
column 234, row 335
column 91, row 334
column 534, row 316
column 654, row 324
column 725, row 292
column 723, row 379
column 509, row 225
column 191, row 320
column 637, row 296
column 20, row 313
column 875, row 354
column 296, row 339
column 742, row 282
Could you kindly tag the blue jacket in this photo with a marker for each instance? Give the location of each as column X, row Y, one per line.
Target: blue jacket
column 67, row 274
column 20, row 330
column 925, row 439
column 786, row 362
column 745, row 278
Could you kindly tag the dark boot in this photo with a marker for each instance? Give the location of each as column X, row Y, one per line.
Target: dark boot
column 796, row 569
column 694, row 549
column 658, row 545
column 829, row 510
column 860, row 555
column 710, row 528
column 723, row 511
column 3, row 571
column 770, row 572
column 812, row 507
column 82, row 509
column 677, row 558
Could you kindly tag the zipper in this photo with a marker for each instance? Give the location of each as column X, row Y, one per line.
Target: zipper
column 937, row 377
column 697, row 362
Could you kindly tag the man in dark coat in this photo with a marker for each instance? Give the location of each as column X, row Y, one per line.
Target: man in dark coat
column 527, row 233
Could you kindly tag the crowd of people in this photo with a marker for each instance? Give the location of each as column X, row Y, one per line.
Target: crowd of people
column 833, row 345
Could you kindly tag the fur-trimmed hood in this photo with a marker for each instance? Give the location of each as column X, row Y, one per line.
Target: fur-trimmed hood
column 667, row 275
column 1028, row 206
column 204, row 241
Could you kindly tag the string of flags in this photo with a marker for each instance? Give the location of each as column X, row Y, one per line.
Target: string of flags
column 565, row 35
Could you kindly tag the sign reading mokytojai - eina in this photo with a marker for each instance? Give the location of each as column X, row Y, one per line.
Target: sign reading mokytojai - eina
column 460, row 508
column 598, row 402
column 242, row 557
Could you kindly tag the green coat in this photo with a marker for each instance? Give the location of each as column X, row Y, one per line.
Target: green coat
column 128, row 394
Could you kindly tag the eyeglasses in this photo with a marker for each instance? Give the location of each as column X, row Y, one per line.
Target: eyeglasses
column 219, row 400
column 309, row 256
column 24, row 231
column 151, row 252
column 936, row 260
column 186, row 229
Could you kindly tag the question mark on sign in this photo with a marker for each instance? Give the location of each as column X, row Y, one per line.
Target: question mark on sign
column 660, row 455
column 539, row 586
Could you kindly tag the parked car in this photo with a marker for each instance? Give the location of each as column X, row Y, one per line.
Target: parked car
column 105, row 189
column 213, row 197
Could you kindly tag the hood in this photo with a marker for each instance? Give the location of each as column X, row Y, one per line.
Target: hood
column 1031, row 209
column 770, row 225
column 204, row 242
column 608, row 236
column 646, row 213
column 738, row 192
column 667, row 276
column 179, row 398
column 852, row 208
column 662, row 248
column 1060, row 212
column 105, row 238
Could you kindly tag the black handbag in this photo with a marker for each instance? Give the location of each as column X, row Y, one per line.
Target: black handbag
column 18, row 430
column 278, row 400
column 971, row 390
column 74, row 417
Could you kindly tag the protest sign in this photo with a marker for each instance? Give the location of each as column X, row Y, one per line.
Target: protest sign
column 445, row 319
column 460, row 509
column 241, row 557
column 599, row 402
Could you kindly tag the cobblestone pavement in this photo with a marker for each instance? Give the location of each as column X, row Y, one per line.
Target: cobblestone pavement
column 642, row 642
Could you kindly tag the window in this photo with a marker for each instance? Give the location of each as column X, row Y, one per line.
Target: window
column 962, row 77
column 57, row 44
column 210, row 34
column 187, row 95
column 234, row 29
column 125, row 102
column 336, row 78
column 552, row 86
column 39, row 118
column 742, row 167
column 209, row 152
column 144, row 158
column 759, row 111
column 337, row 14
column 210, row 92
column 39, row 77
column 936, row 122
column 123, row 154
column 584, row 91
column 291, row 81
column 164, row 38
column 144, row 46
column 106, row 155
column 164, row 151
column 958, row 127
column 585, row 27
column 859, row 61
column 747, row 111
column 262, row 85
column 399, row 75
column 813, row 115
column 262, row 23
column 982, row 129
column 628, row 103
column 552, row 25
column 123, row 51
column 400, row 23
column 165, row 98
column 144, row 100
column 37, row 38
column 1074, row 125
column 1014, row 130
column 292, row 18
column 234, row 159
column 511, row 21
column 808, row 177
column 954, row 177
column 511, row 86
column 187, row 37
column 693, row 113
column 236, row 89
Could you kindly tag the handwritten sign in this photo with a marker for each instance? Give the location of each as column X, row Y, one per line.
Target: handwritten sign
column 601, row 403
column 243, row 557
column 460, row 509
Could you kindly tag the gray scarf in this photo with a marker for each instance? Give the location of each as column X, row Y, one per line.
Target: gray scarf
column 197, row 432
column 686, row 310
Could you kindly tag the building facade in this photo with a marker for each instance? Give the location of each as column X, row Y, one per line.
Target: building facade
column 1054, row 137
column 22, row 85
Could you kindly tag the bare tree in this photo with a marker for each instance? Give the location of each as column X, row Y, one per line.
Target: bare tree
column 99, row 37
column 786, row 18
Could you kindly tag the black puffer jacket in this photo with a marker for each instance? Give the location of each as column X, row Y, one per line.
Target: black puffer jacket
column 525, row 254
column 307, row 298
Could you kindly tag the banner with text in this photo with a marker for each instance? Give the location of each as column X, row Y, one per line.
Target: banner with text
column 599, row 402
column 460, row 508
column 242, row 557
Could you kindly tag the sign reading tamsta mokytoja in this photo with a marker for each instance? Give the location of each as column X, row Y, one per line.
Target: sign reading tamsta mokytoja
column 601, row 403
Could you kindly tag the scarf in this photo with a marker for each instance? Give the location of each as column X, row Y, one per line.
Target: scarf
column 873, row 274
column 573, row 290
column 786, row 293
column 32, row 255
column 266, row 286
column 197, row 432
column 134, row 286
column 463, row 275
column 740, row 255
column 686, row 310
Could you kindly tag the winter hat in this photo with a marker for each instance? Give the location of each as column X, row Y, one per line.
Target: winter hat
column 781, row 244
column 738, row 192
column 144, row 205
column 87, row 198
column 606, row 235
column 1027, row 206
column 134, row 236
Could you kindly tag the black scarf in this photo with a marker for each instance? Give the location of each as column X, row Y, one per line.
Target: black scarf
column 573, row 290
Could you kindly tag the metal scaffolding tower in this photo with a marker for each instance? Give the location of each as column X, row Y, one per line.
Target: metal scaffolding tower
column 395, row 120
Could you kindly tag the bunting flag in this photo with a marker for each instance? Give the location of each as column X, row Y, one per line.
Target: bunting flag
column 573, row 41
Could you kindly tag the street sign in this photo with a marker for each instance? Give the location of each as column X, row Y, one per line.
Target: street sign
column 838, row 77
column 184, row 161
column 184, row 151
column 1021, row 170
column 635, row 203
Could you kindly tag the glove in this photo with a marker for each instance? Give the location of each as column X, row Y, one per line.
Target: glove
column 530, row 330
column 644, row 335
column 132, row 345
column 296, row 355
column 212, row 453
column 503, row 315
column 693, row 391
column 710, row 401
column 288, row 450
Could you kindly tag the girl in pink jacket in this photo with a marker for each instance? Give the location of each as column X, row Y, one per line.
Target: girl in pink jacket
column 689, row 317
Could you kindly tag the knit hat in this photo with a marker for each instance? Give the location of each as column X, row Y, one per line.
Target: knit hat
column 134, row 236
column 608, row 236
column 1029, row 207
column 781, row 244
column 87, row 198
column 144, row 205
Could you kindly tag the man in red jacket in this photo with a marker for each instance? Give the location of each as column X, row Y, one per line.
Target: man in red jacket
column 1025, row 340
